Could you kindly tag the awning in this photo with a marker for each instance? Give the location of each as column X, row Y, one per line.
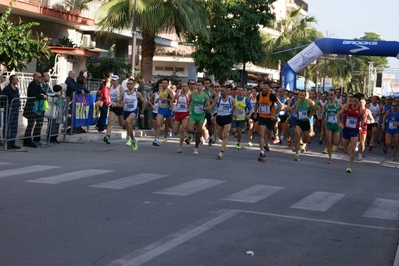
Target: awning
column 72, row 51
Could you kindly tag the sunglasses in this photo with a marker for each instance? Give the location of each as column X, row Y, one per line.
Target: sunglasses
column 330, row 94
column 296, row 93
column 216, row 86
column 191, row 83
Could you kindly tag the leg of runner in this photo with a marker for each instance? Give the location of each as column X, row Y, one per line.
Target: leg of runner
column 128, row 124
column 159, row 123
column 223, row 135
column 261, row 132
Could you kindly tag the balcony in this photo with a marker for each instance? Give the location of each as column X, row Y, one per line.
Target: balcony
column 292, row 5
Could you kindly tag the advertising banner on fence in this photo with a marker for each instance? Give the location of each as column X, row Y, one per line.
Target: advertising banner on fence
column 85, row 112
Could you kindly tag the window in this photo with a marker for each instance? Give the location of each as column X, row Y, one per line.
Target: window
column 169, row 68
column 159, row 68
column 179, row 69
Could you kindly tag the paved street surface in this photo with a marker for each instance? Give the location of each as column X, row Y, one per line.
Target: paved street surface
column 96, row 204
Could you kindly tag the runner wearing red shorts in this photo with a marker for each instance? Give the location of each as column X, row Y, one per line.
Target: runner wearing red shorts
column 181, row 114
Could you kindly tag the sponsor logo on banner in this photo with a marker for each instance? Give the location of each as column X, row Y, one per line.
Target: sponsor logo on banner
column 85, row 112
column 361, row 44
column 305, row 57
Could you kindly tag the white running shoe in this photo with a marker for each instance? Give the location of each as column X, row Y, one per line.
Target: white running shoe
column 196, row 151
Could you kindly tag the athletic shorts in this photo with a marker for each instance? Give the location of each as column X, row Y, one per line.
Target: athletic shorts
column 255, row 119
column 116, row 110
column 370, row 126
column 283, row 118
column 238, row 124
column 268, row 122
column 293, row 121
column 208, row 117
column 334, row 128
column 154, row 116
column 391, row 131
column 165, row 112
column 197, row 118
column 223, row 120
column 126, row 114
column 179, row 116
column 348, row 133
column 304, row 125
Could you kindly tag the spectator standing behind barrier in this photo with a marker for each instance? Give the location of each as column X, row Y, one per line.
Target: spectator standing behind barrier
column 103, row 102
column 35, row 119
column 10, row 118
column 55, row 113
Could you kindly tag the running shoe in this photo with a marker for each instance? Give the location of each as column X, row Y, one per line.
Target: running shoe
column 393, row 158
column 128, row 142
column 164, row 140
column 289, row 142
column 220, row 155
column 196, row 151
column 135, row 144
column 200, row 143
column 235, row 134
column 325, row 151
column 188, row 140
column 334, row 148
column 276, row 140
column 156, row 143
column 357, row 146
column 297, row 158
column 170, row 134
column 320, row 142
column 210, row 141
column 238, row 146
column 106, row 139
column 261, row 157
column 360, row 157
column 385, row 150
column 329, row 161
column 266, row 147
column 310, row 140
column 302, row 148
column 250, row 144
column 178, row 149
column 370, row 148
column 349, row 169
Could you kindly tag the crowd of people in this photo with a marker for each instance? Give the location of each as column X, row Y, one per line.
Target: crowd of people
column 202, row 111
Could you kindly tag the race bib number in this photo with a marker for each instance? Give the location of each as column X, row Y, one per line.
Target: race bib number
column 351, row 122
column 198, row 109
column 162, row 102
column 391, row 125
column 130, row 105
column 265, row 109
column 114, row 99
column 332, row 119
column 302, row 114
column 240, row 113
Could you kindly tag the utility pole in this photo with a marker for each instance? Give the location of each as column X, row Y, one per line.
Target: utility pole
column 134, row 37
column 371, row 79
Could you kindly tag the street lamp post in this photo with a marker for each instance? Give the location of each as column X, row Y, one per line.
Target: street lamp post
column 134, row 36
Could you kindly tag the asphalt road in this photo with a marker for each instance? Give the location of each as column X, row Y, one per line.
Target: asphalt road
column 98, row 204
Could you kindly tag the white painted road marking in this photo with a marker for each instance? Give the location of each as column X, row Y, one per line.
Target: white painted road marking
column 129, row 181
column 318, row 201
column 190, row 187
column 70, row 176
column 26, row 170
column 383, row 209
column 253, row 194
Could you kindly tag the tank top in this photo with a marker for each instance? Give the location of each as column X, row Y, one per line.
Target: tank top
column 302, row 110
column 282, row 112
column 266, row 106
column 156, row 104
column 351, row 119
column 130, row 101
column 391, row 118
column 331, row 112
column 181, row 104
column 374, row 109
column 323, row 107
column 114, row 94
column 291, row 104
column 224, row 108
column 163, row 103
column 197, row 102
column 252, row 100
column 241, row 105
column 210, row 95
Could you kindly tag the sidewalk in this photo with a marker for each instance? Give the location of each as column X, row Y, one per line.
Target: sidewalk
column 93, row 135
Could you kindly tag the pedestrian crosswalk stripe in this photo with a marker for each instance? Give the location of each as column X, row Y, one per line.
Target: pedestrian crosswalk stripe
column 383, row 209
column 129, row 181
column 253, row 194
column 26, row 170
column 318, row 201
column 70, row 176
column 190, row 187
column 1, row 163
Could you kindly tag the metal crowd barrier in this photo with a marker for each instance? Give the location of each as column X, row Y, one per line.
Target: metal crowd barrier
column 26, row 120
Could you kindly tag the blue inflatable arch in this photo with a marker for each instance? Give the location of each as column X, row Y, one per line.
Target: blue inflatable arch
column 334, row 46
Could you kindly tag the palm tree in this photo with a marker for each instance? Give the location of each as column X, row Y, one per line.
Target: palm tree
column 154, row 16
column 296, row 32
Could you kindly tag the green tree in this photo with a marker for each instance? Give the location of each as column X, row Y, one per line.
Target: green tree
column 296, row 31
column 234, row 36
column 18, row 44
column 154, row 16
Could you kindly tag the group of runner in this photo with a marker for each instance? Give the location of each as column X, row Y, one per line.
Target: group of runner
column 199, row 107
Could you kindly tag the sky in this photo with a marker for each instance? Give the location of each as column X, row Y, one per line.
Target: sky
column 348, row 19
